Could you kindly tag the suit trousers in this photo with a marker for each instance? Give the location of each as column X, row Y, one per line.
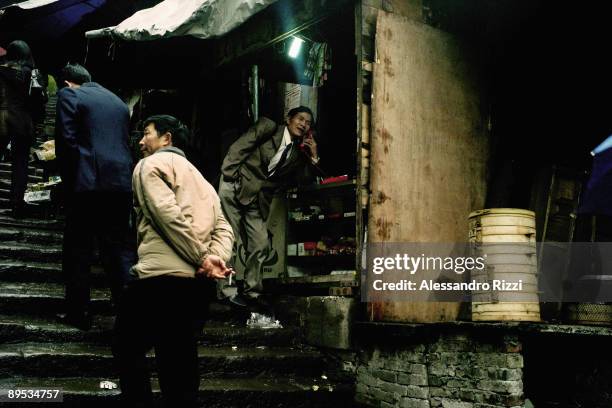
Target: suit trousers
column 105, row 216
column 248, row 224
column 160, row 313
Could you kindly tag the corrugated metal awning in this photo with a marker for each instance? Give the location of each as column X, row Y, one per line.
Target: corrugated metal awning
column 172, row 18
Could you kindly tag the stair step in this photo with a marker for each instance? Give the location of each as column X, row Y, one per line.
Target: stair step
column 19, row 271
column 6, row 220
column 29, row 252
column 5, row 193
column 36, row 211
column 226, row 335
column 5, row 184
column 25, row 328
column 32, row 171
column 73, row 359
column 30, row 236
column 5, row 176
column 44, row 272
column 45, row 299
column 30, row 359
column 214, row 393
column 19, row 328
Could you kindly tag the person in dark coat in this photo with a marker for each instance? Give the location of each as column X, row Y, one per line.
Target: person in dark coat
column 96, row 168
column 17, row 111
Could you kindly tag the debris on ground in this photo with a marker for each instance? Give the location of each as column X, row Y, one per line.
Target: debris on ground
column 260, row 321
column 108, row 385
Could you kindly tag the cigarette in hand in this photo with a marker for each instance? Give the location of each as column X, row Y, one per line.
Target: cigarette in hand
column 231, row 268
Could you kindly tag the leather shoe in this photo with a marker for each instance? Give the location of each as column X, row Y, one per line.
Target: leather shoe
column 81, row 321
column 237, row 300
column 18, row 212
column 260, row 305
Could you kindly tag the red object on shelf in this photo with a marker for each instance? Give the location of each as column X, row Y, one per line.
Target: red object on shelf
column 335, row 179
column 310, row 246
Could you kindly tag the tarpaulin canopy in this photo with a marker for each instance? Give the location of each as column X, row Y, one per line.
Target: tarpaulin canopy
column 26, row 5
column 46, row 19
column 172, row 18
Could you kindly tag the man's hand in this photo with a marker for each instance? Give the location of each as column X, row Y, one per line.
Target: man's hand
column 311, row 144
column 213, row 267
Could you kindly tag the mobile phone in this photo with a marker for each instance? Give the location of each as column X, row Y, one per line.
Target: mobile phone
column 308, row 135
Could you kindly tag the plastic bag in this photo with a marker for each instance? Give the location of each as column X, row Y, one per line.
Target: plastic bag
column 259, row 321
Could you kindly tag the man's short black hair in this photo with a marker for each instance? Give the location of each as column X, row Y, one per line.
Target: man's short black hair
column 167, row 123
column 301, row 109
column 76, row 73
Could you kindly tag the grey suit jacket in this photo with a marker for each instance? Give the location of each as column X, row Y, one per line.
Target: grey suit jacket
column 247, row 162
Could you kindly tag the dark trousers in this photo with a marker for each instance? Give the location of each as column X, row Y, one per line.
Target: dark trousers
column 107, row 217
column 160, row 312
column 21, row 140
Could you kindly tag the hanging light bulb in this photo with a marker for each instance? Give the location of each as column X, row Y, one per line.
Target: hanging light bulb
column 296, row 46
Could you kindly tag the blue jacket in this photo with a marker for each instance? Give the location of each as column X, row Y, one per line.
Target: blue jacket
column 92, row 140
column 597, row 197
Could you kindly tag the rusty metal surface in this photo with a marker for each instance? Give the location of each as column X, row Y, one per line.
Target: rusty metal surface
column 429, row 146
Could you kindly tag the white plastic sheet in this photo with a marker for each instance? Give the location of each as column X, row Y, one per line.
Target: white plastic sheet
column 30, row 4
column 260, row 321
column 173, row 18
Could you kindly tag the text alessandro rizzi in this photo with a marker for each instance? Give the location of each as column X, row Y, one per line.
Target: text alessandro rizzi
column 459, row 265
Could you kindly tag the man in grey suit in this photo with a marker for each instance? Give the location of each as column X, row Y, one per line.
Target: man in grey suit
column 265, row 159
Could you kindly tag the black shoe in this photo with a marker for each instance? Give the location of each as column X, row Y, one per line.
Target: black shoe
column 260, row 305
column 237, row 300
column 81, row 321
column 18, row 212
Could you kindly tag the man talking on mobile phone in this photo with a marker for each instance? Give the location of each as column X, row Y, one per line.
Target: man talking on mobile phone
column 264, row 160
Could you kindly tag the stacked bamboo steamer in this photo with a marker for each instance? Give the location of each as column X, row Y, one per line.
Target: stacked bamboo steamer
column 507, row 237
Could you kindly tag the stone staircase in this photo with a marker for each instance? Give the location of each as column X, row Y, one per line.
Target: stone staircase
column 240, row 367
column 35, row 176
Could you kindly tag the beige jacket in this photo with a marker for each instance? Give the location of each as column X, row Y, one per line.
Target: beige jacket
column 179, row 217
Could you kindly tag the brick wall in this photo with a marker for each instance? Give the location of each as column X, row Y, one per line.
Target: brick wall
column 448, row 371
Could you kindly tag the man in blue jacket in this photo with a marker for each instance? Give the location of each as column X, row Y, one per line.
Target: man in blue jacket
column 96, row 167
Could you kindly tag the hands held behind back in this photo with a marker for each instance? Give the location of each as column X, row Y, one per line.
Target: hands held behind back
column 213, row 267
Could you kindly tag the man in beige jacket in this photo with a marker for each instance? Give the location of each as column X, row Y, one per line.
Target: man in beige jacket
column 183, row 242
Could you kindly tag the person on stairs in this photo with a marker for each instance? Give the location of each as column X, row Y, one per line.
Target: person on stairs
column 20, row 108
column 264, row 160
column 183, row 242
column 96, row 169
